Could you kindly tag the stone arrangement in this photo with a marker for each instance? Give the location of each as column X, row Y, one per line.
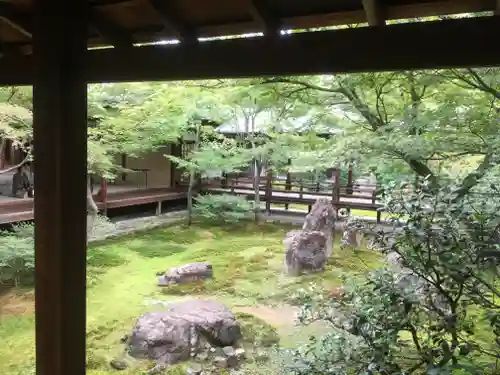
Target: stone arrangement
column 203, row 332
column 183, row 331
column 351, row 238
column 185, row 274
column 308, row 249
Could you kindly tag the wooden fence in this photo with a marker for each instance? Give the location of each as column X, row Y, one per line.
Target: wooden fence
column 295, row 192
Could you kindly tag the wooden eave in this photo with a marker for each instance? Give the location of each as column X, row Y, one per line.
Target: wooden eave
column 119, row 29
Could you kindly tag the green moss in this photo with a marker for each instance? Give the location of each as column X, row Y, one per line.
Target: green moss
column 247, row 261
column 256, row 331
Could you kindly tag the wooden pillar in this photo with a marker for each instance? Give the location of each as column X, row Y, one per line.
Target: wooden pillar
column 269, row 189
column 349, row 189
column 124, row 165
column 104, row 195
column 60, row 157
column 288, row 182
column 336, row 189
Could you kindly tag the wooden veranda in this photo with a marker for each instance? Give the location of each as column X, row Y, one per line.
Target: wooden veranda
column 44, row 43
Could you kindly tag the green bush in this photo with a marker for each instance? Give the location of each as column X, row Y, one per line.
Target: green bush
column 17, row 256
column 223, row 208
column 17, row 252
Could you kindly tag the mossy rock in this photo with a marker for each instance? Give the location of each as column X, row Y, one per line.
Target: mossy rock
column 256, row 331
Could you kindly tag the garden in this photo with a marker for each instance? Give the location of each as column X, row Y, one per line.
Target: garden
column 225, row 288
column 248, row 278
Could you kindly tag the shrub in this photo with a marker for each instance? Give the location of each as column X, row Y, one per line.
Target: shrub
column 17, row 251
column 223, row 208
column 435, row 312
column 17, row 255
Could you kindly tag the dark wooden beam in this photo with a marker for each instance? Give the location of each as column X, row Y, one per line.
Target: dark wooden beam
column 260, row 13
column 173, row 21
column 374, row 12
column 497, row 10
column 108, row 30
column 439, row 44
column 18, row 20
column 60, row 141
column 395, row 12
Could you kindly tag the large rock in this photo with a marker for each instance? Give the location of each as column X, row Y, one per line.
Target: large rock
column 186, row 328
column 305, row 251
column 186, row 274
column 322, row 218
column 351, row 238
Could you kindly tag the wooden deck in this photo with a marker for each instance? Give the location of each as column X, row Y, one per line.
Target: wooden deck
column 16, row 210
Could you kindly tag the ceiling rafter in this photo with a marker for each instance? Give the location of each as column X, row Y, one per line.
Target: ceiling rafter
column 261, row 14
column 172, row 21
column 108, row 30
column 375, row 13
column 16, row 19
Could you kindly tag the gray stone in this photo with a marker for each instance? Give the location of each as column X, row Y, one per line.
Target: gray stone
column 232, row 361
column 186, row 274
column 203, row 356
column 118, row 364
column 228, row 351
column 351, row 238
column 240, row 354
column 194, row 369
column 305, row 251
column 221, row 362
column 322, row 219
column 169, row 336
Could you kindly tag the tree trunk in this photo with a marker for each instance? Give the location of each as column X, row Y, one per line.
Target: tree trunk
column 92, row 211
column 192, row 177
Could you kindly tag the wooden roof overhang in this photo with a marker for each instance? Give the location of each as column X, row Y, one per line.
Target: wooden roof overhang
column 120, row 28
column 45, row 43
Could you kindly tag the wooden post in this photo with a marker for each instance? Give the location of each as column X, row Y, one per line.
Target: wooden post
column 104, row 195
column 269, row 190
column 124, row 165
column 349, row 188
column 374, row 201
column 223, row 183
column 60, row 157
column 288, row 181
column 336, row 188
column 158, row 208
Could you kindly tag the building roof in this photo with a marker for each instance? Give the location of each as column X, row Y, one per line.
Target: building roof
column 122, row 23
column 264, row 122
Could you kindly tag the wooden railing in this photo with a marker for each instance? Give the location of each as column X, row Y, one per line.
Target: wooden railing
column 299, row 192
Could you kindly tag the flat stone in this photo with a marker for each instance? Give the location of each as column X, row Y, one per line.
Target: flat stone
column 221, row 362
column 203, row 356
column 118, row 364
column 194, row 369
column 240, row 354
column 228, row 351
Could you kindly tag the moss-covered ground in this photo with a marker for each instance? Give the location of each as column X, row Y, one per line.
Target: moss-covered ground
column 247, row 261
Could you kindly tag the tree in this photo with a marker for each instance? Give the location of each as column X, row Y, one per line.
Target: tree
column 432, row 309
column 257, row 116
column 212, row 152
column 421, row 121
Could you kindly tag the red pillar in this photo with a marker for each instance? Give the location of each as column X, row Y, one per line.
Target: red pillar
column 60, row 157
